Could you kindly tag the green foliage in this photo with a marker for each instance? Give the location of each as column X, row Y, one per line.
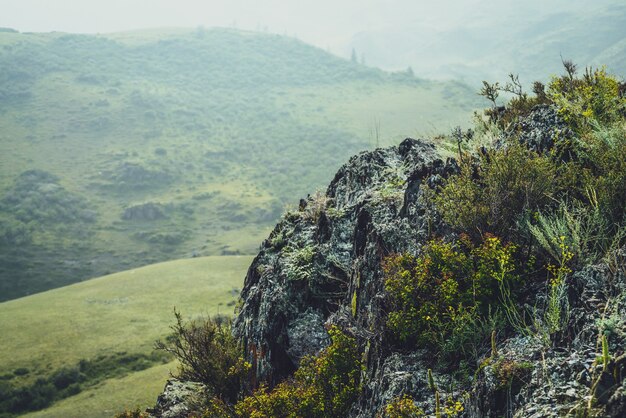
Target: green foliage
column 440, row 297
column 324, row 386
column 604, row 158
column 460, row 200
column 403, row 407
column 454, row 407
column 577, row 227
column 491, row 193
column 431, row 381
column 612, row 326
column 519, row 105
column 494, row 348
column 208, row 353
column 606, row 356
column 557, row 310
column 298, row 262
column 490, row 92
column 424, row 291
column 581, row 101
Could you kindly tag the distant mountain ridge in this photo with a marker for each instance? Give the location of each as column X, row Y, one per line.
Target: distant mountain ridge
column 488, row 44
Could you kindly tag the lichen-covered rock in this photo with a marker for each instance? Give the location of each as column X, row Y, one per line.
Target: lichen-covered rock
column 564, row 376
column 322, row 265
column 179, row 400
column 541, row 129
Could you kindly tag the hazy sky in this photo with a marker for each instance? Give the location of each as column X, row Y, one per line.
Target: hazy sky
column 326, row 23
column 462, row 39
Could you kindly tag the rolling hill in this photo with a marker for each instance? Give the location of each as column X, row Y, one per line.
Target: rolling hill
column 101, row 332
column 127, row 149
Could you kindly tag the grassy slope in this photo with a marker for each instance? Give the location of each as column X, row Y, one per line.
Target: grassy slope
column 125, row 311
column 222, row 128
column 137, row 390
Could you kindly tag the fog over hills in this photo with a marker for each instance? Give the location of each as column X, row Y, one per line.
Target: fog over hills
column 492, row 38
column 309, row 143
column 469, row 40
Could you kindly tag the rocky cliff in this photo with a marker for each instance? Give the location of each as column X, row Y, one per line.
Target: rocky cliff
column 323, row 265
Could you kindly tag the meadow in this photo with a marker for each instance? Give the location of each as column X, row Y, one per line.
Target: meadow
column 105, row 328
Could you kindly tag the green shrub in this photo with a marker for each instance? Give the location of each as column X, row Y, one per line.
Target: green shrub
column 591, row 216
column 323, row 386
column 442, row 298
column 520, row 104
column 208, row 353
column 403, row 407
column 557, row 310
column 581, row 101
column 593, row 97
column 21, row 371
column 492, row 192
column 605, row 157
column 66, row 377
column 425, row 292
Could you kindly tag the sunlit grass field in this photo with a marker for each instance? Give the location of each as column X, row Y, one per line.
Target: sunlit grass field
column 124, row 311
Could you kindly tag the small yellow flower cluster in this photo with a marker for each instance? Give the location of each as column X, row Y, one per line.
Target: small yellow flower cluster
column 559, row 272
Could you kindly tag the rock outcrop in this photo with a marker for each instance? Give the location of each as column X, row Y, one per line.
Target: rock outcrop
column 321, row 266
column 179, row 399
column 373, row 208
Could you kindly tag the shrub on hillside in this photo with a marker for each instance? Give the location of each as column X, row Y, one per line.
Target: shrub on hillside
column 593, row 97
column 439, row 298
column 208, row 353
column 492, row 191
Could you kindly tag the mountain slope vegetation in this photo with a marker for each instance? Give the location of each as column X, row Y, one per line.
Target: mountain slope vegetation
column 127, row 149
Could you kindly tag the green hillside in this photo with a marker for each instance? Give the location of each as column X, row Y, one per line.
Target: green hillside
column 136, row 390
column 133, row 148
column 105, row 328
